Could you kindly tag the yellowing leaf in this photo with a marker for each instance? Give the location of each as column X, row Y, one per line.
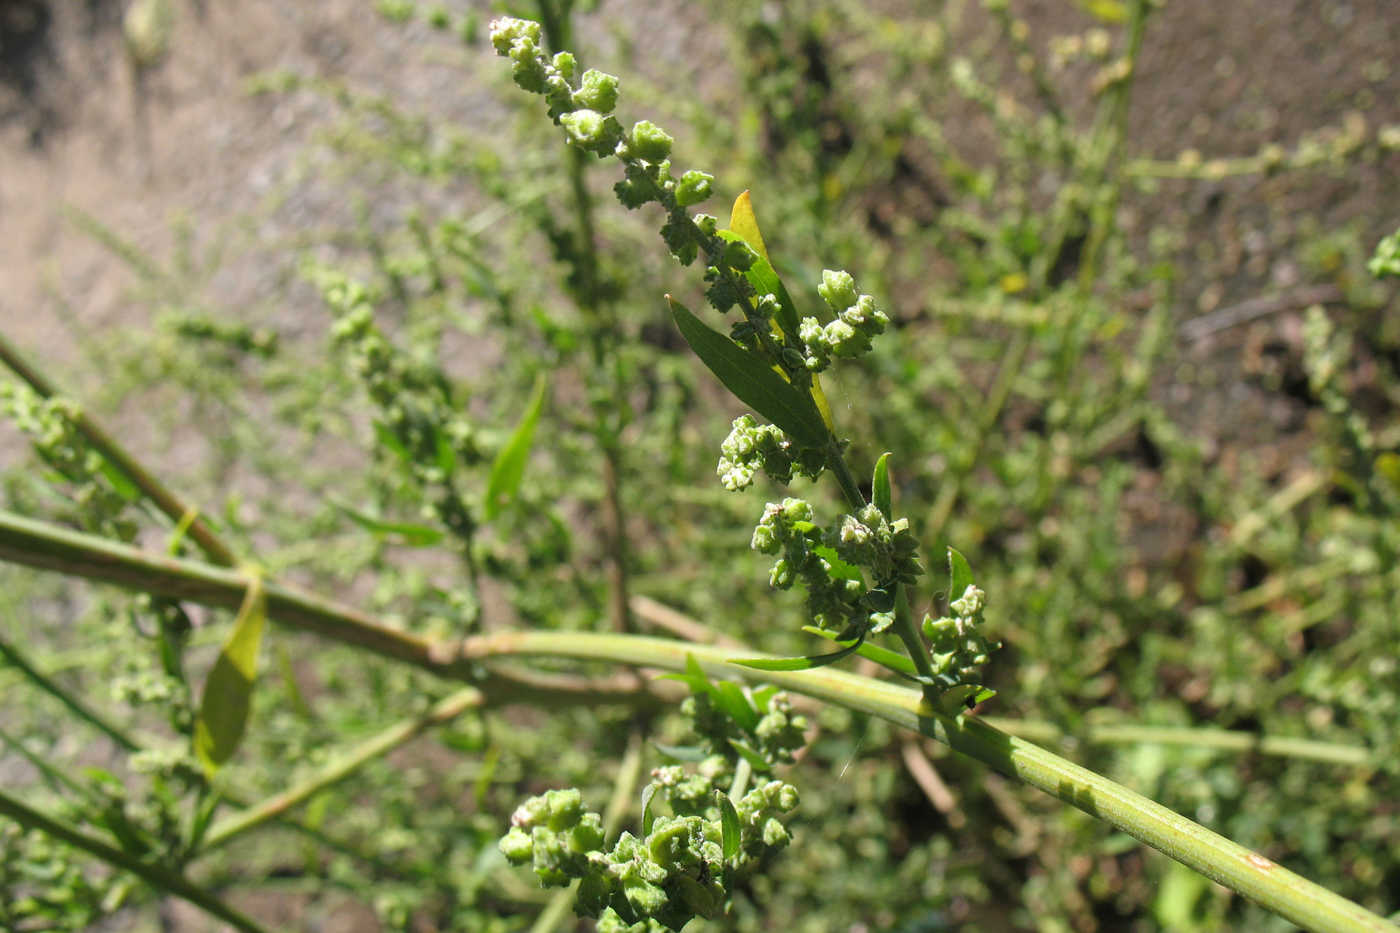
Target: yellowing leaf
column 744, row 222
column 228, row 690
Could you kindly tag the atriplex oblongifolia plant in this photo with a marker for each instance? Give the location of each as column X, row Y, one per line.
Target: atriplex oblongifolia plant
column 856, row 569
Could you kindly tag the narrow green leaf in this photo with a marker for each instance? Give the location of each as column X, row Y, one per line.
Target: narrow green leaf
column 762, row 696
column 894, row 661
column 648, row 817
column 228, row 690
column 837, row 567
column 799, row 664
column 764, row 279
column 388, row 439
column 509, row 467
column 959, row 575
column 681, row 752
column 752, row 381
column 729, row 697
column 750, row 754
column 880, row 486
column 730, row 832
column 412, row 534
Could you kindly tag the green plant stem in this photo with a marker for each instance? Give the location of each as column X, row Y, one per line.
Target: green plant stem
column 45, row 546
column 386, row 741
column 1263, row 881
column 1213, row 739
column 629, row 773
column 158, row 876
column 743, row 771
column 76, row 706
column 175, row 508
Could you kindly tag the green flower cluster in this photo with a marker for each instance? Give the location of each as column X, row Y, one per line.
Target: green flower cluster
column 585, row 113
column 770, row 736
column 417, row 417
column 51, row 424
column 751, row 447
column 829, row 561
column 958, row 648
column 677, row 870
column 1386, row 260
column 857, row 322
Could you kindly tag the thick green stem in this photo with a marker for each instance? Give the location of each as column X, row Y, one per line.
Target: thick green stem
column 158, row 876
column 1250, row 874
column 1261, row 880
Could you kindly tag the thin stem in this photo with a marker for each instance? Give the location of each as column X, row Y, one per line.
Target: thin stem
column 383, row 743
column 175, row 508
column 743, row 771
column 75, row 705
column 158, row 876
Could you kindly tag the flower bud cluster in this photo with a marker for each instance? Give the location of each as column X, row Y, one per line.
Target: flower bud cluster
column 1386, row 260
column 838, row 599
column 773, row 740
column 869, row 539
column 585, row 113
column 751, row 446
column 51, row 424
column 672, row 873
column 857, row 323
column 429, row 431
column 958, row 649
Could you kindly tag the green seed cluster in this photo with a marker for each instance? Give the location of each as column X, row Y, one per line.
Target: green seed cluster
column 751, row 447
column 838, row 597
column 1386, row 260
column 661, row 880
column 772, row 739
column 51, row 424
column 415, row 409
column 857, row 323
column 958, row 648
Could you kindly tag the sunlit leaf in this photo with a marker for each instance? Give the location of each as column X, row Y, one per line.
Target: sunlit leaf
column 880, row 486
column 802, row 663
column 751, row 381
column 228, row 690
column 883, row 656
column 959, row 575
column 743, row 223
column 729, row 825
column 509, row 467
column 410, row 533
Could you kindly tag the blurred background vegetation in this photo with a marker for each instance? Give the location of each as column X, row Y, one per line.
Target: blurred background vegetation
column 1139, row 374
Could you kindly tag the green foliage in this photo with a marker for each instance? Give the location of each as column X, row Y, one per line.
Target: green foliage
column 499, row 386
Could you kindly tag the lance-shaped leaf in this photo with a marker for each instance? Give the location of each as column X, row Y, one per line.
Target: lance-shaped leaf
column 803, row 663
column 752, row 381
column 959, row 575
column 228, row 690
column 729, row 828
column 880, row 486
column 743, row 225
column 883, row 656
column 411, row 534
column 509, row 467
